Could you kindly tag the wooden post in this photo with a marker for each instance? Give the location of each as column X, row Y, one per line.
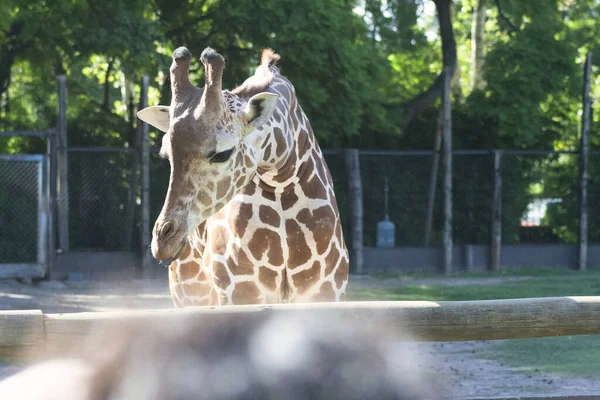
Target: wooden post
column 145, row 162
column 356, row 209
column 435, row 167
column 63, row 174
column 134, row 182
column 583, row 165
column 447, row 135
column 469, row 258
column 52, row 193
column 496, row 243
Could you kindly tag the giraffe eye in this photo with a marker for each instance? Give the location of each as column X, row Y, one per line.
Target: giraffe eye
column 222, row 156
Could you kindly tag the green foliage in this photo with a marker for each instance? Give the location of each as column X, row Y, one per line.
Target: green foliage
column 353, row 62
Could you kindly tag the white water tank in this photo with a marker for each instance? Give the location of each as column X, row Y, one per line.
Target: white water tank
column 386, row 233
column 386, row 230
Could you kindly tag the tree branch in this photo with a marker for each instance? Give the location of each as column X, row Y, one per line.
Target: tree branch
column 109, row 68
column 504, row 18
column 426, row 98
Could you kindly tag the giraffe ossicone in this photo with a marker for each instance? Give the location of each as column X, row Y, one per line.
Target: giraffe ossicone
column 250, row 215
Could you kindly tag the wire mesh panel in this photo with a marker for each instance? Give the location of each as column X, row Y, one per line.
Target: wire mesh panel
column 22, row 228
column 472, row 184
column 160, row 172
column 103, row 200
column 593, row 197
column 540, row 198
column 408, row 177
column 337, row 168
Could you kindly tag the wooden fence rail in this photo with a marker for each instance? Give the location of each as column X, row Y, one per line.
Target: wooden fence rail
column 31, row 331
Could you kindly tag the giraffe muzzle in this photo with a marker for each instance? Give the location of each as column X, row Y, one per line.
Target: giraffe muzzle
column 168, row 241
column 175, row 256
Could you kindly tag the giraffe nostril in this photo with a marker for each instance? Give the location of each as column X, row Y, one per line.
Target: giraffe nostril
column 167, row 229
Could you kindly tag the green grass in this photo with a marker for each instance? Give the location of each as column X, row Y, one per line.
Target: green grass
column 547, row 284
column 522, row 271
column 571, row 356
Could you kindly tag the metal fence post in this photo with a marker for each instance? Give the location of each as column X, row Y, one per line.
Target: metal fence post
column 356, row 209
column 42, row 240
column 583, row 165
column 52, row 193
column 496, row 242
column 63, row 181
column 145, row 162
column 447, row 133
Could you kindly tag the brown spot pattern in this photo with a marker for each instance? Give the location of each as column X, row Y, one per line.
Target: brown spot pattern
column 204, row 198
column 306, row 279
column 331, row 259
column 197, row 289
column 250, row 189
column 222, row 277
column 288, row 199
column 266, row 241
column 223, row 187
column 341, row 274
column 188, row 270
column 242, row 217
column 219, row 239
column 269, row 216
column 185, row 253
column 267, row 194
column 267, row 152
column 326, row 293
column 314, row 189
column 243, row 266
column 280, row 141
column 268, row 277
column 303, row 144
column 321, row 223
column 299, row 252
column 287, row 170
column 245, row 293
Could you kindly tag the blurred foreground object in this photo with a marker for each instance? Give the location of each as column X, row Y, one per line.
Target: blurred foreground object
column 282, row 357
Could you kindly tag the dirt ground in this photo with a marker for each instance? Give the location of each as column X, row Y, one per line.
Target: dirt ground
column 453, row 365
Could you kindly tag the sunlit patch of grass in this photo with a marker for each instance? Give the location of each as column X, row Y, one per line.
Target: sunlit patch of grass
column 572, row 356
column 569, row 356
column 565, row 284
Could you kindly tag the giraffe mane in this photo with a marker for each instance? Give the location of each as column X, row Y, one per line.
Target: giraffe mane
column 261, row 79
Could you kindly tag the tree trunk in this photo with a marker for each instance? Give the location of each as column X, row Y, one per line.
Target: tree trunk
column 106, row 101
column 435, row 167
column 477, row 45
column 8, row 54
column 425, row 99
column 583, row 164
column 352, row 161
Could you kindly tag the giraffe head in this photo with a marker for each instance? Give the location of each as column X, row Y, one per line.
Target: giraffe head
column 212, row 143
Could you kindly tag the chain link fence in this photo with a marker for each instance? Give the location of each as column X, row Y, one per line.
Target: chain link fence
column 21, row 188
column 104, row 199
column 539, row 197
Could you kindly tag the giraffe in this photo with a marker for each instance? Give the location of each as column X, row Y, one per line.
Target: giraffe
column 250, row 215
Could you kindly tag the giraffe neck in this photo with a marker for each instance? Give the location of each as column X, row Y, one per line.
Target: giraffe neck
column 288, row 139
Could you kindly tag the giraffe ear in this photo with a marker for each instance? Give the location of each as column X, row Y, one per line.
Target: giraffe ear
column 157, row 116
column 260, row 107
